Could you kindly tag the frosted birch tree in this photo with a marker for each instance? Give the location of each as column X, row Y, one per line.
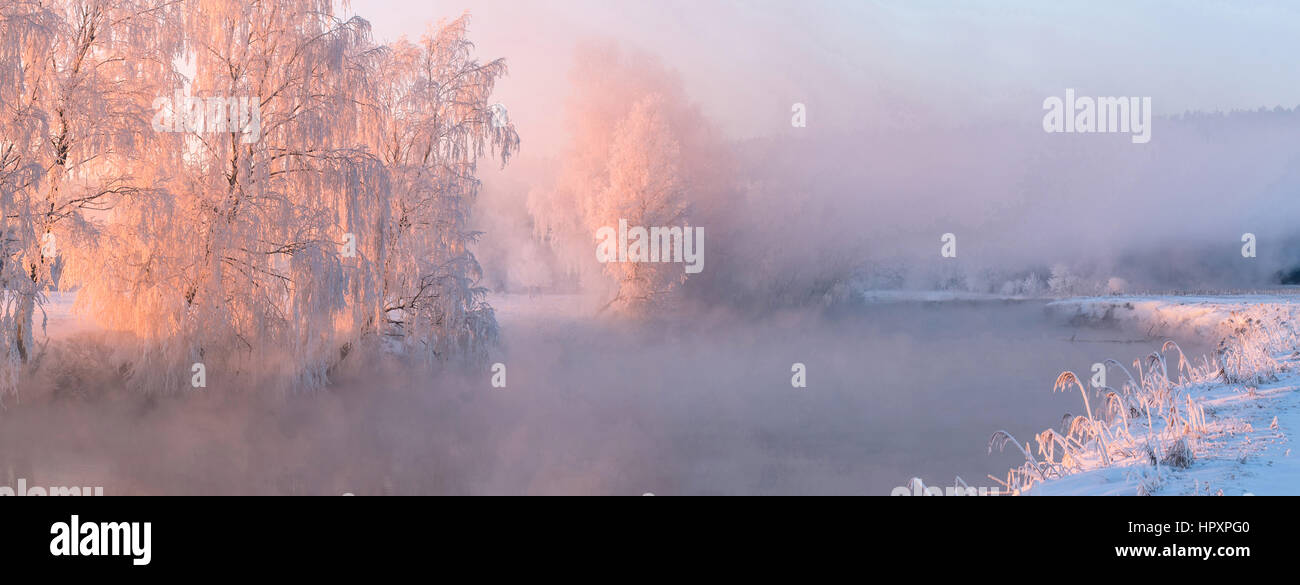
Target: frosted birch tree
column 342, row 221
column 251, row 185
column 641, row 152
column 436, row 122
column 645, row 187
column 27, row 33
column 235, row 264
column 76, row 78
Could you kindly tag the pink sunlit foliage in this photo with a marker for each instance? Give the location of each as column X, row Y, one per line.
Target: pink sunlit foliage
column 639, row 151
column 341, row 225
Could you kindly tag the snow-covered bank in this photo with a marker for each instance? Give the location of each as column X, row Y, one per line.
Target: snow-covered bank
column 930, row 296
column 1171, row 425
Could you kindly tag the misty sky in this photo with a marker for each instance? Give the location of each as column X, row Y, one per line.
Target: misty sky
column 855, row 62
column 926, row 117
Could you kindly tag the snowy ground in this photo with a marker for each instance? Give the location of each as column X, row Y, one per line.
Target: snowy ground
column 1245, row 445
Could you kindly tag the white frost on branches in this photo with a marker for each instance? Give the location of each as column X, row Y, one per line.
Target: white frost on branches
column 640, row 152
column 206, row 247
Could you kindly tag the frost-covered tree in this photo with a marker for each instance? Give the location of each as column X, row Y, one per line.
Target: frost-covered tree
column 27, row 33
column 1065, row 282
column 76, row 80
column 233, row 258
column 641, row 152
column 435, row 123
column 645, row 188
column 275, row 242
column 251, row 185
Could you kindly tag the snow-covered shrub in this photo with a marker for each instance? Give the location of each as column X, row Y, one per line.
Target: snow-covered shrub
column 1246, row 354
column 1179, row 454
column 1028, row 286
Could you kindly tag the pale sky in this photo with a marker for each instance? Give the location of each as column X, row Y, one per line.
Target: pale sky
column 861, row 63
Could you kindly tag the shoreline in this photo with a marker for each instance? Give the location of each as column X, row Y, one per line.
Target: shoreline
column 1176, row 428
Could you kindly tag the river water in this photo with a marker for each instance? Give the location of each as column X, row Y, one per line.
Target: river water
column 706, row 405
column 700, row 403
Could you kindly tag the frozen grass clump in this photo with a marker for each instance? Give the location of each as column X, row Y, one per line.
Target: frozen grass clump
column 1152, row 423
column 1150, row 420
column 1179, row 454
column 1246, row 355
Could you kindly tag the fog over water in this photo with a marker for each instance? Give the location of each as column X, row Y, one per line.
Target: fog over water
column 700, row 405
